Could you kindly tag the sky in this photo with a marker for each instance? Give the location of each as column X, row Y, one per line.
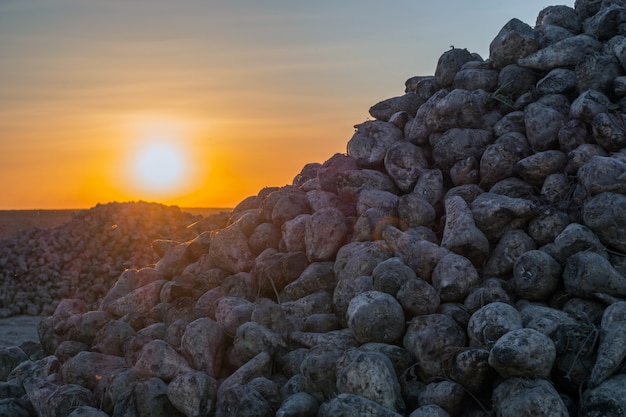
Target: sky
column 201, row 103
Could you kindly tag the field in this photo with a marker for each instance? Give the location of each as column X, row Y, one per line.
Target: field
column 12, row 221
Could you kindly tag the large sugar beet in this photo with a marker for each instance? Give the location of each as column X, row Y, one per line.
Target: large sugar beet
column 418, row 297
column 521, row 397
column 359, row 258
column 390, row 275
column 565, row 53
column 558, row 81
column 603, row 174
column 605, row 214
column 308, row 307
column 458, row 144
column 258, row 366
column 253, row 338
column 515, row 187
column 588, row 273
column 523, row 353
column 329, row 171
column 461, row 235
column 375, row 316
column 385, row 109
column 138, row 301
column 298, row 404
column 510, row 247
column 574, row 238
column 401, row 359
column 414, row 211
column 419, row 254
column 448, row 395
column 384, row 201
column 515, row 40
column 430, row 186
column 290, row 203
column 340, row 339
column 589, row 104
column 350, row 405
column 353, row 268
column 230, row 250
column 449, row 64
column 231, row 312
column 550, row 222
column 490, row 322
column 417, row 131
column 266, row 235
column 244, row 401
column 543, row 123
column 370, row 224
column 612, row 348
column 319, row 371
column 454, row 277
column 427, row 337
column 273, row 270
column 480, row 77
column 325, row 232
column 149, row 397
column 292, row 235
column 87, row 368
column 318, row 276
column 499, row 159
column 351, row 183
column 371, row 141
column 405, row 162
column 495, row 214
column 536, row 275
column 608, row 131
column 159, row 359
column 193, row 393
column 203, row 346
column 460, row 109
column 489, row 291
column 535, row 168
column 347, row 288
column 369, row 375
column 606, row 400
column 470, row 368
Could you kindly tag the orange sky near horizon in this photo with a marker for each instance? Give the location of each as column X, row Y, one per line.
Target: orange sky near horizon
column 246, row 92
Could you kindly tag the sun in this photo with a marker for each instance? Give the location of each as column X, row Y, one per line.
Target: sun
column 159, row 159
column 160, row 166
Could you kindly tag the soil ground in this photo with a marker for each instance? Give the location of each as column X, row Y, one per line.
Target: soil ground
column 12, row 221
column 18, row 329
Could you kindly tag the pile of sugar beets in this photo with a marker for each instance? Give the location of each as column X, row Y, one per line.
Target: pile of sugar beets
column 85, row 256
column 464, row 258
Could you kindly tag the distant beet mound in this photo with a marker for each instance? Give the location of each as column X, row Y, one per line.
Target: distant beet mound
column 83, row 257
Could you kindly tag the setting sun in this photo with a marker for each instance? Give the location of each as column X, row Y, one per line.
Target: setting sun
column 161, row 166
column 161, row 159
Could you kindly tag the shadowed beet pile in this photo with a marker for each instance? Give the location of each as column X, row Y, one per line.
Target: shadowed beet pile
column 464, row 258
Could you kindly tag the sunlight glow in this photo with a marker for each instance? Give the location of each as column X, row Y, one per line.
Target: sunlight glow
column 160, row 166
column 161, row 160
